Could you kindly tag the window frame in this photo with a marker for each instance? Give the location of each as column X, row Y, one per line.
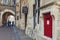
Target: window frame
column 5, row 2
column 12, row 2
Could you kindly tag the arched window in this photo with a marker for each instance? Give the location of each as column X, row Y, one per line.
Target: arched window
column 5, row 2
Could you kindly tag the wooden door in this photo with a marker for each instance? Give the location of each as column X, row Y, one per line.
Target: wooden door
column 48, row 25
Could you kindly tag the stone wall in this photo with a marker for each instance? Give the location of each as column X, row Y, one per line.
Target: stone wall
column 30, row 24
column 19, row 5
column 54, row 9
column 3, row 9
column 45, row 2
column 0, row 20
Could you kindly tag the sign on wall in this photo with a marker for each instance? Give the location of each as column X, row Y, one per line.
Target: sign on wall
column 25, row 10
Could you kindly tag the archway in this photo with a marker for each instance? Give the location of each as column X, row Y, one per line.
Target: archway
column 5, row 18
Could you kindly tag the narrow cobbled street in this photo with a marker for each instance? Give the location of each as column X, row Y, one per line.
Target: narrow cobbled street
column 7, row 33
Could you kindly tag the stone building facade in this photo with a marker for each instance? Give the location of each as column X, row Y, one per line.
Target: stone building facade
column 7, row 8
column 48, row 29
column 20, row 23
column 48, row 19
column 20, row 16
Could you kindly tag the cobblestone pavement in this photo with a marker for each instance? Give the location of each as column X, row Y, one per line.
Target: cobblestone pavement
column 6, row 33
column 23, row 36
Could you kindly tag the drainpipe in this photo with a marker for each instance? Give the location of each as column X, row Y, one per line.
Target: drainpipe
column 26, row 20
column 38, row 10
column 34, row 14
column 20, row 8
column 15, row 11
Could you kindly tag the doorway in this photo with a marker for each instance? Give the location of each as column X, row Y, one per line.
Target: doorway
column 48, row 25
column 5, row 18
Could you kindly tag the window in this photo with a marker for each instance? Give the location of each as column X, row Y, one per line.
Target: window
column 5, row 2
column 12, row 2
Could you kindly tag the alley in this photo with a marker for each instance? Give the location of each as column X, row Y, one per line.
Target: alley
column 7, row 33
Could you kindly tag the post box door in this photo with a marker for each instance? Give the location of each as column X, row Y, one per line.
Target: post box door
column 48, row 25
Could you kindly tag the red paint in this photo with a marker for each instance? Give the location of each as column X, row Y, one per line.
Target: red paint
column 48, row 26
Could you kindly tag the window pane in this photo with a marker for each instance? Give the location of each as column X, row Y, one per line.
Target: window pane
column 5, row 1
column 12, row 2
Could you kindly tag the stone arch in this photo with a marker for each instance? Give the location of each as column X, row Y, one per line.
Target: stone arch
column 6, row 13
column 7, row 10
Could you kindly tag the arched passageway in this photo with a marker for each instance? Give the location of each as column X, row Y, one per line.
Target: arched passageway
column 5, row 18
